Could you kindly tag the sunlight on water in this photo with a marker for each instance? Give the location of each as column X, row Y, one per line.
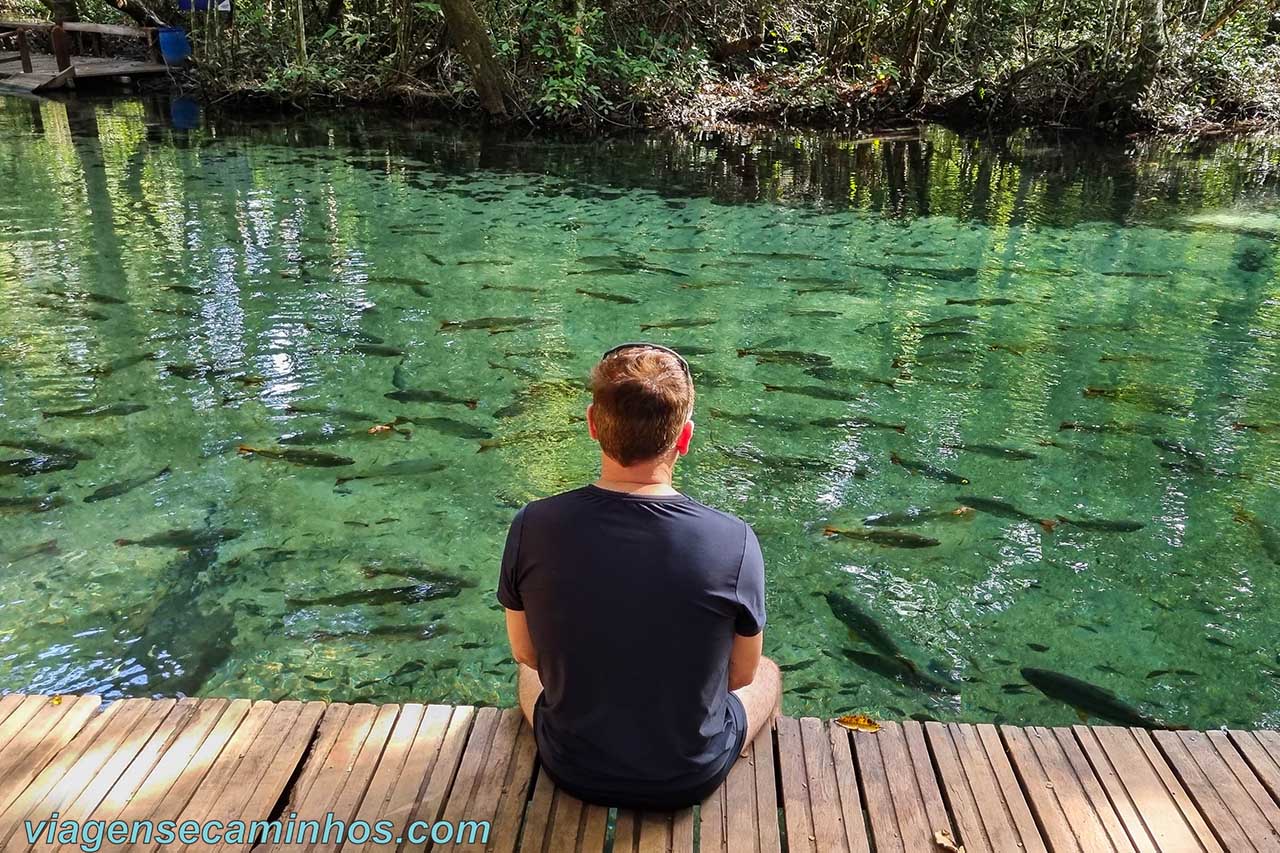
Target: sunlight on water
column 1078, row 344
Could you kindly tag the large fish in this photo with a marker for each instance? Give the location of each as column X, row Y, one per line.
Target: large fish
column 429, row 395
column 37, row 447
column 928, row 470
column 115, row 490
column 492, row 324
column 993, row 450
column 899, row 669
column 917, row 515
column 36, row 503
column 395, row 470
column 111, row 410
column 857, row 422
column 892, row 538
column 203, row 537
column 400, row 595
column 1089, row 700
column 765, row 356
column 1004, row 509
column 817, row 392
column 29, row 466
column 862, row 624
column 298, row 456
column 1103, row 525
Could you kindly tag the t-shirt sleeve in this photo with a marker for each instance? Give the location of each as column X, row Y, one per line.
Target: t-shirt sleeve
column 750, row 618
column 508, row 578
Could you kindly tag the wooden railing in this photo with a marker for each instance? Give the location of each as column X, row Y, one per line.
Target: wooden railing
column 60, row 41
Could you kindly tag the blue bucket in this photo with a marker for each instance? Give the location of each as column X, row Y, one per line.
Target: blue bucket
column 174, row 45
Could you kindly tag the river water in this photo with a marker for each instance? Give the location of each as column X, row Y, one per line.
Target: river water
column 1064, row 355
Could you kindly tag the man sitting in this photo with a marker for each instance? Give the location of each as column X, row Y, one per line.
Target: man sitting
column 635, row 612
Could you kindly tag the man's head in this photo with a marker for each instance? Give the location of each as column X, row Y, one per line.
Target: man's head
column 642, row 402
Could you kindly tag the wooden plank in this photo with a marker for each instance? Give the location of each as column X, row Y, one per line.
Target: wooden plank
column 1073, row 813
column 565, row 827
column 60, row 788
column 935, row 808
column 282, row 749
column 914, row 823
column 8, row 703
column 682, row 831
column 1265, row 764
column 117, row 788
column 626, row 832
column 537, row 823
column 712, row 831
column 795, row 788
column 21, row 717
column 104, row 29
column 595, row 828
column 655, row 833
column 359, row 773
column 743, row 830
column 971, row 831
column 1193, row 817
column 1236, row 806
column 855, row 825
column 515, row 793
column 889, row 829
column 389, row 770
column 475, row 795
column 1140, row 791
column 1010, row 791
column 145, row 803
column 328, row 782
column 31, row 751
column 766, row 785
column 824, row 795
column 430, row 805
column 24, row 51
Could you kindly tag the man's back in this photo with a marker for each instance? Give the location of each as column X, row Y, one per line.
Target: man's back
column 621, row 591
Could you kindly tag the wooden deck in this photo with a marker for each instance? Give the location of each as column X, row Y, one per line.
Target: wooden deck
column 806, row 787
column 44, row 75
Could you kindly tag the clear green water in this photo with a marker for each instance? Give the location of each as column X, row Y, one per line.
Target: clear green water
column 1149, row 274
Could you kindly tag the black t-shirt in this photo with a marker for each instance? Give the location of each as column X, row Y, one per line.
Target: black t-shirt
column 633, row 602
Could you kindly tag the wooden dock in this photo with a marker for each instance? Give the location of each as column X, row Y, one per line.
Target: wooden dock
column 24, row 71
column 807, row 786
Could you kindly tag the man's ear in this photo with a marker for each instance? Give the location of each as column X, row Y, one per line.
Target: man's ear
column 591, row 422
column 686, row 436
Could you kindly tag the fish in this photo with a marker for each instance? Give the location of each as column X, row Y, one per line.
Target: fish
column 984, row 301
column 529, row 436
column 403, row 468
column 329, row 411
column 36, row 503
column 188, row 371
column 30, row 466
column 753, row 419
column 121, row 364
column 100, row 298
column 1103, row 525
column 928, row 470
column 1195, row 457
column 1132, row 358
column 556, row 354
column 1267, row 534
column 1107, row 426
column 817, row 312
column 184, row 289
column 184, row 539
column 449, row 426
column 786, row 357
column 511, row 288
column 406, row 281
column 862, row 625
column 427, row 395
column 49, row 547
column 400, row 595
column 1004, row 509
column 848, row 374
column 677, row 324
column 37, row 447
column 608, row 297
column 379, row 350
column 1089, row 700
column 110, row 410
column 298, row 456
column 917, row 515
column 994, row 451
column 899, row 669
column 779, row 256
column 492, row 323
column 817, row 392
column 1146, row 399
column 115, row 490
column 857, row 422
column 391, row 632
column 892, row 538
column 485, row 262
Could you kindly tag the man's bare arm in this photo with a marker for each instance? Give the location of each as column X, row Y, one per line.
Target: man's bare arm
column 521, row 643
column 743, row 659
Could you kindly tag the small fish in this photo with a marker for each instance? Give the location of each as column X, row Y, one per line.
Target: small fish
column 427, row 395
column 184, row 289
column 185, row 539
column 115, row 490
column 786, row 357
column 511, row 288
column 983, row 302
column 1103, row 525
column 1004, row 509
column 1108, row 426
column 857, row 423
column 931, row 471
column 528, row 437
column 30, row 466
column 779, row 256
column 298, row 456
column 1146, row 399
column 1132, row 358
column 393, row 470
column 1089, row 700
column 111, row 410
column 37, row 503
column 608, row 297
column 994, row 451
column 399, row 280
column 677, row 324
column 917, row 515
column 379, row 350
column 817, row 392
column 100, row 298
column 449, row 426
column 847, row 374
column 401, row 595
column 892, row 538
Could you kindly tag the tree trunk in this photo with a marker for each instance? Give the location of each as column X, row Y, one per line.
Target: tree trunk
column 472, row 39
column 62, row 10
column 928, row 62
column 1149, row 57
column 140, row 12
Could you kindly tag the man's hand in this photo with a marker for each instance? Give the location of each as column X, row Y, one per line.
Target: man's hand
column 742, row 660
column 521, row 643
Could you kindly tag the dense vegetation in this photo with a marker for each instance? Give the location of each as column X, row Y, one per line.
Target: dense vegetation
column 1109, row 64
